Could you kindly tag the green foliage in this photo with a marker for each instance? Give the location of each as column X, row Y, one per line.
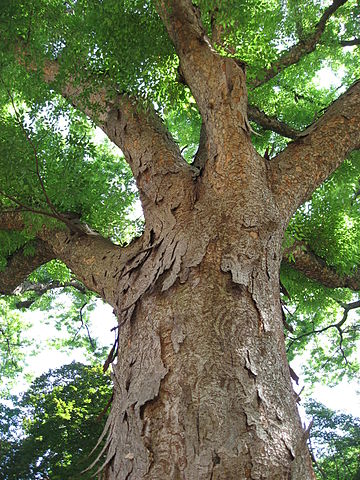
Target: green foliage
column 330, row 224
column 12, row 343
column 330, row 355
column 334, row 443
column 50, row 430
column 49, row 156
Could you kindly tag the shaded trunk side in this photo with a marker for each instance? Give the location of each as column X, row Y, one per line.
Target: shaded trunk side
column 202, row 386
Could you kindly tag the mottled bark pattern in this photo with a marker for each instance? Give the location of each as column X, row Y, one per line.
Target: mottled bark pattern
column 201, row 385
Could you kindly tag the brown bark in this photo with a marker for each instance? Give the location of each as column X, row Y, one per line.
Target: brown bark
column 298, row 170
column 201, row 385
column 315, row 268
column 271, row 123
column 20, row 266
column 162, row 176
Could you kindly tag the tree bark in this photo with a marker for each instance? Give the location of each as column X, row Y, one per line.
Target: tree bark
column 201, row 386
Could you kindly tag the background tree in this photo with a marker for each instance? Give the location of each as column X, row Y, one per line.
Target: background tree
column 334, row 443
column 201, row 384
column 52, row 429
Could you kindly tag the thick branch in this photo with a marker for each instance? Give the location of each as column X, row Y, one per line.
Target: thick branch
column 20, row 266
column 304, row 47
column 297, row 171
column 271, row 123
column 350, row 43
column 315, row 268
column 217, row 83
column 92, row 258
column 148, row 147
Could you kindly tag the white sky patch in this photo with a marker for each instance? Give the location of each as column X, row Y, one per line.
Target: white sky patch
column 343, row 396
column 327, row 78
column 102, row 320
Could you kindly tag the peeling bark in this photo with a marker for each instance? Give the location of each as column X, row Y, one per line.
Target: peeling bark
column 201, row 385
column 195, row 397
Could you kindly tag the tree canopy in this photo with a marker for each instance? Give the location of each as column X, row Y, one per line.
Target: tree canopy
column 54, row 171
column 67, row 67
column 51, row 430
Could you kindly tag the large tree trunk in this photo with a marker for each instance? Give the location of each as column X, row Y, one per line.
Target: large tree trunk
column 201, row 386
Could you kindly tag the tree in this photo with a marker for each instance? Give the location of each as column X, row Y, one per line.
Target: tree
column 334, row 443
column 51, row 430
column 201, row 384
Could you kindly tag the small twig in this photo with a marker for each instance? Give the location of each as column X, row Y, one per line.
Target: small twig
column 313, row 458
column 340, row 346
column 350, row 43
column 112, row 354
column 106, row 408
column 338, row 325
column 84, row 325
column 8, row 347
column 26, row 208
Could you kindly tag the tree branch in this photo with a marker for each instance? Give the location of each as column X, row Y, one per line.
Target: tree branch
column 36, row 156
column 338, row 325
column 39, row 289
column 92, row 258
column 271, row 123
column 299, row 169
column 148, row 147
column 315, row 268
column 296, row 52
column 217, row 83
column 20, row 266
column 84, row 325
column 350, row 43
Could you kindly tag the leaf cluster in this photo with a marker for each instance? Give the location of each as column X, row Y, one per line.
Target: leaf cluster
column 334, row 443
column 50, row 430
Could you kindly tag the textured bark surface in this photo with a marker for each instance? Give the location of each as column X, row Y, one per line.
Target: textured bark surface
column 201, row 385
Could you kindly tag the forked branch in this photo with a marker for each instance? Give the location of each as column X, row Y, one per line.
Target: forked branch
column 338, row 326
column 215, row 81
